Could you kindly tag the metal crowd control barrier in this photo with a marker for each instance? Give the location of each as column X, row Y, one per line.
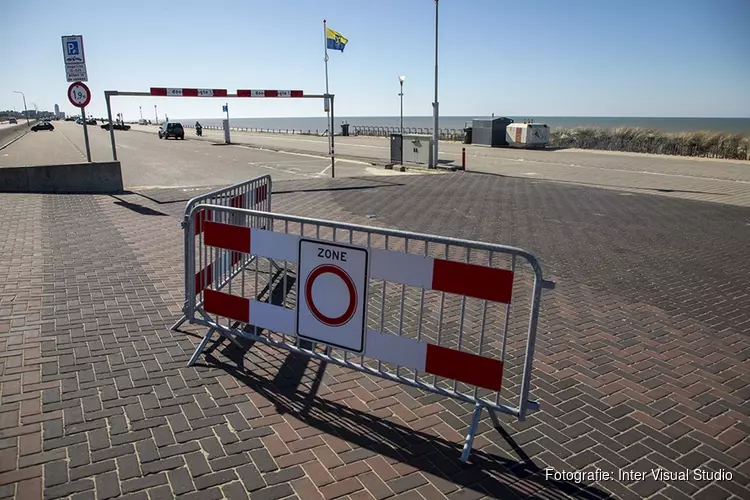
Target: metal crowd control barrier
column 251, row 194
column 430, row 312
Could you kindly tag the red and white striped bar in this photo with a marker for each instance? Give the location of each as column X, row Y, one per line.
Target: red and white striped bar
column 470, row 280
column 270, row 93
column 183, row 92
column 408, row 353
column 212, row 273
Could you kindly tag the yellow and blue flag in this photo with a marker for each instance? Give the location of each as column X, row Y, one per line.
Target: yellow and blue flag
column 335, row 40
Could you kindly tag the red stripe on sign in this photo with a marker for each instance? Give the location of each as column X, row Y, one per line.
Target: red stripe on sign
column 236, row 202
column 229, row 306
column 464, row 367
column 261, row 193
column 471, row 280
column 189, row 92
column 220, row 92
column 227, row 236
column 205, row 278
column 244, row 93
column 158, row 91
column 298, row 93
column 271, row 93
column 200, row 219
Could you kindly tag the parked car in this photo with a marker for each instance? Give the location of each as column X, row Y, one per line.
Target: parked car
column 71, row 119
column 91, row 121
column 117, row 126
column 12, row 121
column 172, row 129
column 42, row 126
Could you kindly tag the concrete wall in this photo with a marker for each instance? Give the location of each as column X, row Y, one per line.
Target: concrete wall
column 96, row 177
column 7, row 134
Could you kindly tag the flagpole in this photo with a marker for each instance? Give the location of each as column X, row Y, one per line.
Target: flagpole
column 328, row 112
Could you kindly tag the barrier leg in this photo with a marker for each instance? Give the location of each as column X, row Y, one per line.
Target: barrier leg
column 472, row 431
column 200, row 347
column 178, row 324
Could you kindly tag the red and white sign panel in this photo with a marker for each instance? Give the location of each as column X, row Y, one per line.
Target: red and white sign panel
column 460, row 278
column 79, row 94
column 184, row 92
column 333, row 289
column 270, row 93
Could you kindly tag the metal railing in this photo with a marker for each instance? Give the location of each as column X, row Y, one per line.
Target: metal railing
column 445, row 134
column 473, row 325
column 254, row 193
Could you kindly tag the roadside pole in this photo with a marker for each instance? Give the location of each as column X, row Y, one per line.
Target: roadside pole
column 86, row 134
column 107, row 93
column 80, row 96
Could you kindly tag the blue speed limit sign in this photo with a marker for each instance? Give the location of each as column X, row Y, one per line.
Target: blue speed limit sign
column 79, row 94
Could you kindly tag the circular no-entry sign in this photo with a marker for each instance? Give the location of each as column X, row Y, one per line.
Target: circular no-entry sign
column 351, row 289
column 332, row 294
column 79, row 94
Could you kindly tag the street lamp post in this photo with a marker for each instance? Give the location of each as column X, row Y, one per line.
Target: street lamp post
column 156, row 116
column 435, row 109
column 141, row 110
column 26, row 111
column 401, row 81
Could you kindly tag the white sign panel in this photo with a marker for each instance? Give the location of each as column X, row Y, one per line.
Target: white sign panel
column 74, row 58
column 174, row 92
column 257, row 93
column 76, row 73
column 332, row 294
column 285, row 93
column 73, row 49
column 205, row 93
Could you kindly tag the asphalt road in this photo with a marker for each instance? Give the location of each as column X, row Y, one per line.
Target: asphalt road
column 150, row 162
column 722, row 181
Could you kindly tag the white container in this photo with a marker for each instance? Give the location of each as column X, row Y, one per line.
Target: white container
column 527, row 135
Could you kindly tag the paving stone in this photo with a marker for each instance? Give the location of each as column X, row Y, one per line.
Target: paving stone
column 633, row 357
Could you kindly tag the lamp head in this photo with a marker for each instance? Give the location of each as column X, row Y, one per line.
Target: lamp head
column 401, row 79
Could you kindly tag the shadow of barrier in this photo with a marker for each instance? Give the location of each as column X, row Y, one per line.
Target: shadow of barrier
column 434, row 313
column 498, row 476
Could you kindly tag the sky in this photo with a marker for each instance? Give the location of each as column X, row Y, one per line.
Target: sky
column 673, row 58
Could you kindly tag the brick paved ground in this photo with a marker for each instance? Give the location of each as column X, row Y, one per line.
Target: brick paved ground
column 642, row 355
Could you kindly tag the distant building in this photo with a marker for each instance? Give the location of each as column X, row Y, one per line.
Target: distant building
column 58, row 113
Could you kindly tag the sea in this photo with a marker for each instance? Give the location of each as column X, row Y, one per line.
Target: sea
column 723, row 125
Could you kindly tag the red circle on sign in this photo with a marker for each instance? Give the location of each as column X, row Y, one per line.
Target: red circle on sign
column 72, row 98
column 351, row 308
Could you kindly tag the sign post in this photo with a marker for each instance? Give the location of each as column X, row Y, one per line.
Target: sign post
column 79, row 96
column 75, row 71
column 225, row 123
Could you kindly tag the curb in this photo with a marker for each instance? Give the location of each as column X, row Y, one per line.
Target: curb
column 13, row 140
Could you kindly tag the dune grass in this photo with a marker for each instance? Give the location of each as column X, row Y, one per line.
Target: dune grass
column 643, row 140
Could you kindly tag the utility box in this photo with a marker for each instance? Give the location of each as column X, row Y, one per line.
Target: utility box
column 417, row 149
column 527, row 135
column 490, row 131
column 225, row 125
column 397, row 149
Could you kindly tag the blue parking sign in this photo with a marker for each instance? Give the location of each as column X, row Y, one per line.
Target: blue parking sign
column 225, row 108
column 73, row 49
